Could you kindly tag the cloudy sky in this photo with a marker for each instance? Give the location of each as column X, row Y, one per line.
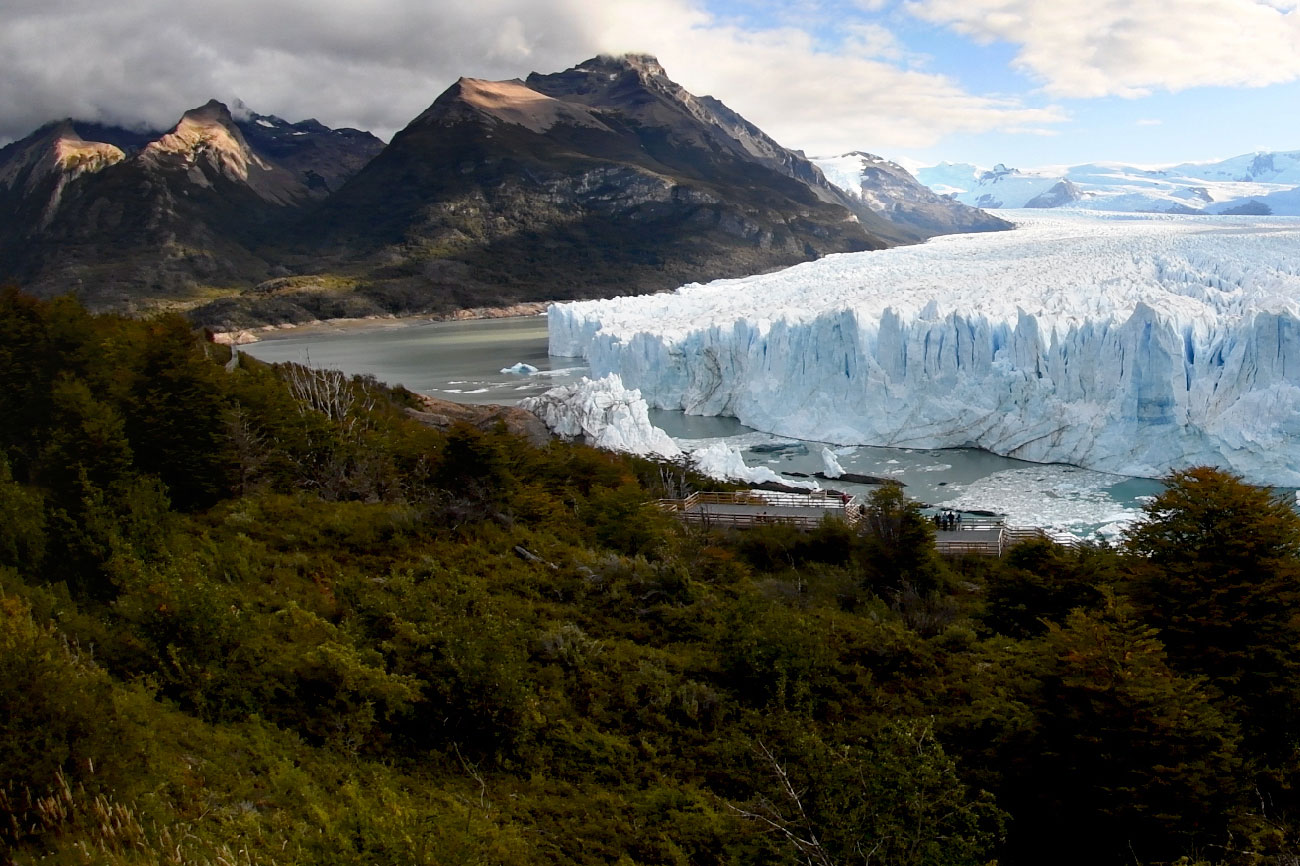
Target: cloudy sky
column 1025, row 82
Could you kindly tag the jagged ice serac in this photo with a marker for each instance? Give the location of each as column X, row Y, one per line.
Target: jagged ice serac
column 1128, row 343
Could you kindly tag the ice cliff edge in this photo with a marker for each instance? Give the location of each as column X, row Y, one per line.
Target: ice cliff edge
column 1130, row 345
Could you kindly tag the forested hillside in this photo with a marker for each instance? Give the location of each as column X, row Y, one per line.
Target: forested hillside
column 262, row 616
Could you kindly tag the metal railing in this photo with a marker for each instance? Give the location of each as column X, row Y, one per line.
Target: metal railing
column 816, row 505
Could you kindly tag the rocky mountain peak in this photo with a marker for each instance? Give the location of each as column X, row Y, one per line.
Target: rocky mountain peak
column 55, row 150
column 511, row 102
column 630, row 82
column 207, row 144
column 645, row 65
column 209, row 130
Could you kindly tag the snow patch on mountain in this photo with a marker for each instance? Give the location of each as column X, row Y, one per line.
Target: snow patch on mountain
column 888, row 189
column 1125, row 343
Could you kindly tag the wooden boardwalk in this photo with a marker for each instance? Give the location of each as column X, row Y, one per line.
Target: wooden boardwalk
column 992, row 538
column 744, row 509
column 760, row 508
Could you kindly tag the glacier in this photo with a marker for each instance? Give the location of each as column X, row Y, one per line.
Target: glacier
column 1125, row 343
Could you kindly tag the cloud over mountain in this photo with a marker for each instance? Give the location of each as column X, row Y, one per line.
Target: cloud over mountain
column 374, row 65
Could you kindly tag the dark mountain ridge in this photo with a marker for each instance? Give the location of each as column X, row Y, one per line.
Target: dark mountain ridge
column 607, row 178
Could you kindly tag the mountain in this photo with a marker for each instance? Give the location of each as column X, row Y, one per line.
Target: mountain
column 652, row 99
column 606, row 178
column 1258, row 183
column 35, row 171
column 888, row 189
column 321, row 158
column 138, row 219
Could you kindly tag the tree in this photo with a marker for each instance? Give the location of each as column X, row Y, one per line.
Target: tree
column 86, row 448
column 1040, row 581
column 1127, row 759
column 22, row 523
column 178, row 425
column 897, row 553
column 1216, row 569
column 38, row 341
column 896, row 798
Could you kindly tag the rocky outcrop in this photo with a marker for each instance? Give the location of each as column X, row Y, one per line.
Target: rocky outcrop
column 1060, row 195
column 888, row 190
column 443, row 415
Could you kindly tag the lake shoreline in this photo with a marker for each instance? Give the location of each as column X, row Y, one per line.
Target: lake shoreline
column 245, row 336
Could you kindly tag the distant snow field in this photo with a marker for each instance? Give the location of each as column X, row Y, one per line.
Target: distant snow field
column 1126, row 343
column 1254, row 183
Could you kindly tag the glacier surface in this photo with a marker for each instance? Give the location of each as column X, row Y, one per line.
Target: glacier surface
column 1262, row 182
column 1126, row 343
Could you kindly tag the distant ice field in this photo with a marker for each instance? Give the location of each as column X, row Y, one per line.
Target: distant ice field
column 1127, row 343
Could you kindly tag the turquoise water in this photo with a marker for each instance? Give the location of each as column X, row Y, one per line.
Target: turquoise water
column 463, row 361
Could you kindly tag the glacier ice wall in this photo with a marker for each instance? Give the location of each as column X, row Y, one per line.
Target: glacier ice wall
column 1125, row 343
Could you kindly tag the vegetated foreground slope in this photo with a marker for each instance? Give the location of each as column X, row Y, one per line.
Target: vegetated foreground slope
column 263, row 616
column 1126, row 344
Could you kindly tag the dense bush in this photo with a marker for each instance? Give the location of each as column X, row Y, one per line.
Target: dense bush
column 259, row 615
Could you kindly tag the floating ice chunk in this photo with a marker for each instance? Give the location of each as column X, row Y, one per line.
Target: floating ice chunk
column 721, row 461
column 520, row 369
column 832, row 469
column 605, row 413
column 1061, row 498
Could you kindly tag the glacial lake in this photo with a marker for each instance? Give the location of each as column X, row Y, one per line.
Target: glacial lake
column 463, row 360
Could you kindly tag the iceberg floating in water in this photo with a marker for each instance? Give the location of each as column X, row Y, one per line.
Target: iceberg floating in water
column 1126, row 343
column 521, row 369
column 831, row 464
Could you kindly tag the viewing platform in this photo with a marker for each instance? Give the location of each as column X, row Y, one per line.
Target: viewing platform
column 992, row 537
column 748, row 508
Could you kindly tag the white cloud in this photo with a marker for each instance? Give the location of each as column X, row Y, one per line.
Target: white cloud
column 870, row 40
column 831, row 103
column 1130, row 48
column 377, row 64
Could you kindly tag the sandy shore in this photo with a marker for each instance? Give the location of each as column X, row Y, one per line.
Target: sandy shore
column 253, row 335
